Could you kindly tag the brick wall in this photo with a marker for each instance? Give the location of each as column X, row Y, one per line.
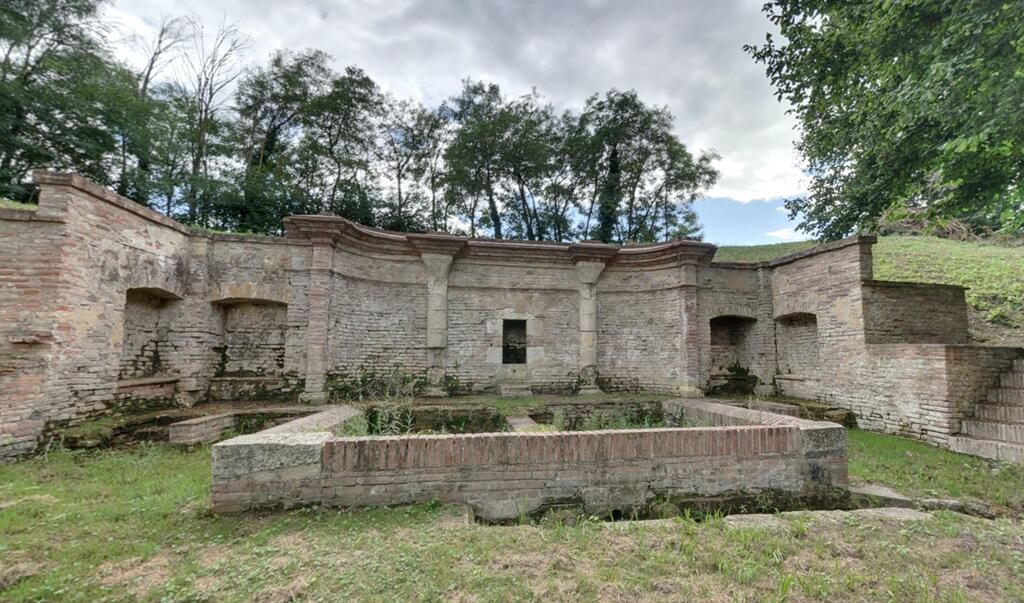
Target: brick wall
column 97, row 289
column 504, row 475
column 914, row 313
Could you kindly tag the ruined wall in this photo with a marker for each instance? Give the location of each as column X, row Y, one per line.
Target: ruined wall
column 145, row 342
column 644, row 335
column 377, row 316
column 743, row 292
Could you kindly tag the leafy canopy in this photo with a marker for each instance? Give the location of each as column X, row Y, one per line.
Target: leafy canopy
column 903, row 104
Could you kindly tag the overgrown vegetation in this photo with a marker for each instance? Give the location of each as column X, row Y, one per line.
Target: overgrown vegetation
column 993, row 274
column 9, row 204
column 902, row 105
column 61, row 514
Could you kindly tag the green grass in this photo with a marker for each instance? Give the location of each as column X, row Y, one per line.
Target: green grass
column 993, row 273
column 135, row 525
column 9, row 204
column 916, row 468
column 759, row 253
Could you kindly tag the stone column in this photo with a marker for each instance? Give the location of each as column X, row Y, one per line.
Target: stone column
column 438, row 265
column 587, row 274
column 693, row 336
column 319, row 303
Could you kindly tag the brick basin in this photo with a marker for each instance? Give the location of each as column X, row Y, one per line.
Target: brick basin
column 503, row 476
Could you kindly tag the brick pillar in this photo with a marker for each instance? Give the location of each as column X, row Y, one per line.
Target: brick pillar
column 319, row 301
column 438, row 265
column 587, row 274
column 695, row 336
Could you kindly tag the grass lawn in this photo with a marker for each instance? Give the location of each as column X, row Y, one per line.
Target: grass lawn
column 135, row 524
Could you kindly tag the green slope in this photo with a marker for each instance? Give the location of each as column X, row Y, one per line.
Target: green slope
column 993, row 273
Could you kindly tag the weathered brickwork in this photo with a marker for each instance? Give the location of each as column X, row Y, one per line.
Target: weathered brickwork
column 505, row 475
column 914, row 313
column 104, row 303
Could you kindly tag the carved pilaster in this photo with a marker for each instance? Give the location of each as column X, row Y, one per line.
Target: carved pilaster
column 438, row 265
column 319, row 301
column 587, row 273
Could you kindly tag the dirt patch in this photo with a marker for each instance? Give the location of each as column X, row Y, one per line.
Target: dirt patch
column 214, row 555
column 16, row 567
column 138, row 574
column 45, row 499
column 283, row 594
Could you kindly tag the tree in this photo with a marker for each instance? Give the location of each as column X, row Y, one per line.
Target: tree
column 644, row 174
column 63, row 100
column 199, row 94
column 473, row 156
column 399, row 144
column 332, row 163
column 902, row 104
column 435, row 135
column 271, row 103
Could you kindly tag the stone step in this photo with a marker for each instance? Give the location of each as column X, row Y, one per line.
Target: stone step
column 994, row 430
column 990, row 449
column 1005, row 395
column 996, row 412
column 1012, row 380
column 515, row 390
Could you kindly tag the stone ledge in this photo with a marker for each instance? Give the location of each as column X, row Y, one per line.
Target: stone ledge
column 146, row 381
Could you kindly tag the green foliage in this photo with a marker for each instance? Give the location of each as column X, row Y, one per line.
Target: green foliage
column 903, row 104
column 297, row 137
column 993, row 274
column 9, row 204
column 389, row 419
column 374, row 385
column 759, row 253
column 627, row 418
column 64, row 102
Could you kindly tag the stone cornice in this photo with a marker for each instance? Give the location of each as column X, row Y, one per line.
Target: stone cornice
column 343, row 233
column 50, row 178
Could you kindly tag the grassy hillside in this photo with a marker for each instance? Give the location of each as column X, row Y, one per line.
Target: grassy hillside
column 993, row 273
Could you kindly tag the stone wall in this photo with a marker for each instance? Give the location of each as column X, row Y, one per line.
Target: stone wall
column 106, row 304
column 506, row 475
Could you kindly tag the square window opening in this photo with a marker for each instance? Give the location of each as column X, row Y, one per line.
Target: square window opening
column 513, row 342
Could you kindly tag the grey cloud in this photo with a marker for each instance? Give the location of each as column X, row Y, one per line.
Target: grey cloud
column 686, row 55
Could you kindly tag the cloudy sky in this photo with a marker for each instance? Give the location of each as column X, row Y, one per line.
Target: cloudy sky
column 685, row 54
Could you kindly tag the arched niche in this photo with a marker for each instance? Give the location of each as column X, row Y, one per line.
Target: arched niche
column 253, row 335
column 144, row 345
column 732, row 343
column 796, row 337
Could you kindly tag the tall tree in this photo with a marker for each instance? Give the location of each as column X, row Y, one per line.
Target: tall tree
column 205, row 74
column 333, row 162
column 645, row 173
column 474, row 154
column 271, row 102
column 902, row 104
column 63, row 99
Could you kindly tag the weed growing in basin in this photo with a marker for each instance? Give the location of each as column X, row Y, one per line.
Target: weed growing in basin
column 634, row 418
